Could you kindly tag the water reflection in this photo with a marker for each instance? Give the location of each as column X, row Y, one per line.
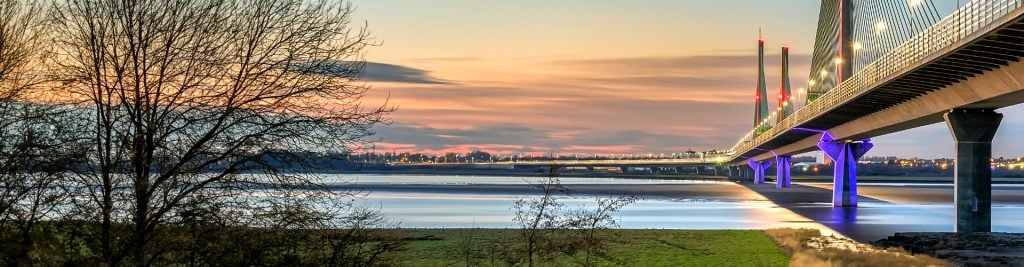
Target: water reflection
column 444, row 210
column 743, row 208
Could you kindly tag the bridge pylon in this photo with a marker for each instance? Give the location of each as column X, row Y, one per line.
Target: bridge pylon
column 760, row 99
column 786, row 99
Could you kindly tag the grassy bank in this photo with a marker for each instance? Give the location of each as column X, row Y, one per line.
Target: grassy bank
column 487, row 247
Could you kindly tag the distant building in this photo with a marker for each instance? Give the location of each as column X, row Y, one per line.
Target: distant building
column 804, row 166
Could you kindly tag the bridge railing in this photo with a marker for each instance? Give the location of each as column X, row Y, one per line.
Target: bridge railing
column 963, row 23
column 709, row 159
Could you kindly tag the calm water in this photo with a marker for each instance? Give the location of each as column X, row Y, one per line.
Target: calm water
column 467, row 208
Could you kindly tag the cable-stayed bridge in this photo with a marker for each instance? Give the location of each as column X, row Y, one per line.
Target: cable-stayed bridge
column 883, row 66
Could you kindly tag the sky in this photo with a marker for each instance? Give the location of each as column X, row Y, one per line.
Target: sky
column 595, row 76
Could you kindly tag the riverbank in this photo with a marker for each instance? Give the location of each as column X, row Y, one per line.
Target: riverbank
column 652, row 247
column 967, row 249
column 490, row 247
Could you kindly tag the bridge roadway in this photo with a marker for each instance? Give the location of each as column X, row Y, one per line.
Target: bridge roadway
column 582, row 163
column 960, row 70
column 980, row 70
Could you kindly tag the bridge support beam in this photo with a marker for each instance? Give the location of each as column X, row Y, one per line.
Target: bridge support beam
column 972, row 131
column 782, row 174
column 758, row 169
column 844, row 153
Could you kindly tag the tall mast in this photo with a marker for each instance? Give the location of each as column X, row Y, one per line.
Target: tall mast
column 785, row 92
column 761, row 100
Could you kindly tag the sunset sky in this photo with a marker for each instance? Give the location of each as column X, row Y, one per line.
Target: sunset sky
column 594, row 76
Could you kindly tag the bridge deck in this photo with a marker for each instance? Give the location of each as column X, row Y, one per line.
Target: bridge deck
column 983, row 37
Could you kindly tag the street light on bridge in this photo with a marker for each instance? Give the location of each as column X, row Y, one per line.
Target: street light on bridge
column 856, row 47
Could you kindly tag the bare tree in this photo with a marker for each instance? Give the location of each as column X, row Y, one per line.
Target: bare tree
column 587, row 228
column 191, row 102
column 548, row 230
column 36, row 143
column 539, row 217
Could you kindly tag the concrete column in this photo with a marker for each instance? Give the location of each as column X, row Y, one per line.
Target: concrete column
column 782, row 175
column 758, row 169
column 844, row 153
column 972, row 131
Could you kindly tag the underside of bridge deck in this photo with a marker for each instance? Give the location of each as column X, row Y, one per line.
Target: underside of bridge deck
column 986, row 73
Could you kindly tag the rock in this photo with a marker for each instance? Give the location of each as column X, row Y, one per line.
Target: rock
column 966, row 249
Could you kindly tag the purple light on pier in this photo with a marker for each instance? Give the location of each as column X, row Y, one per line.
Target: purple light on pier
column 782, row 168
column 844, row 154
column 759, row 169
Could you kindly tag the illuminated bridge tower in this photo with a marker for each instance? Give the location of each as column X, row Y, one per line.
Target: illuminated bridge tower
column 760, row 111
column 844, row 153
column 786, row 98
column 785, row 108
column 760, row 100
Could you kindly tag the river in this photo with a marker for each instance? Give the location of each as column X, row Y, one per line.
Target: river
column 423, row 201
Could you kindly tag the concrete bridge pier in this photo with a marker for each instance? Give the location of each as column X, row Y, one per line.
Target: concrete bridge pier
column 736, row 171
column 972, row 131
column 759, row 169
column 782, row 174
column 844, row 154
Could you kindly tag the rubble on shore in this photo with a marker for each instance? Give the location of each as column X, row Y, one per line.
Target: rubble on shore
column 967, row 249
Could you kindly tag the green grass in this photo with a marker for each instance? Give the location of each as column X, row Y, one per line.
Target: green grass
column 627, row 248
